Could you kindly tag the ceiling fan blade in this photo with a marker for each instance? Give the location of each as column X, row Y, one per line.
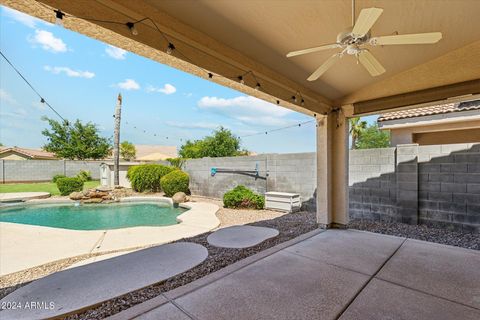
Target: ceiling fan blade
column 416, row 38
column 365, row 21
column 370, row 63
column 315, row 49
column 324, row 67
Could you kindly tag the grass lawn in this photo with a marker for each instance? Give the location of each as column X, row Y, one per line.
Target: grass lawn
column 40, row 187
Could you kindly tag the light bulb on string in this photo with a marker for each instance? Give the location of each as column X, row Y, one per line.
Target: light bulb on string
column 59, row 17
column 170, row 48
column 257, row 87
column 240, row 79
column 132, row 28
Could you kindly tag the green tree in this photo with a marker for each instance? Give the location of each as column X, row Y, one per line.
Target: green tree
column 127, row 150
column 75, row 141
column 222, row 143
column 372, row 137
column 357, row 127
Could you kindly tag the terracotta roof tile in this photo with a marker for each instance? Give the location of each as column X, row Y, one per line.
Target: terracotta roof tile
column 31, row 153
column 431, row 110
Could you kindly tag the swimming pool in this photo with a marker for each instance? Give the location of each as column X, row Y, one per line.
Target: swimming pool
column 93, row 216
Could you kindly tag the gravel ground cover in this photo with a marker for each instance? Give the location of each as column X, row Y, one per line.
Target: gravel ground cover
column 420, row 232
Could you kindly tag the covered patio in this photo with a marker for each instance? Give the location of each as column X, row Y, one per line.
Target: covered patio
column 332, row 274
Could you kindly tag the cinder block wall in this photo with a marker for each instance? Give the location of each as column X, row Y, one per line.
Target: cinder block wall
column 449, row 186
column 44, row 170
column 435, row 185
column 372, row 184
column 293, row 172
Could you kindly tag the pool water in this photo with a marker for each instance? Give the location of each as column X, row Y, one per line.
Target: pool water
column 93, row 216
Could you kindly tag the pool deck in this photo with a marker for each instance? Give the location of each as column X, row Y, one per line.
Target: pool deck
column 25, row 246
column 22, row 196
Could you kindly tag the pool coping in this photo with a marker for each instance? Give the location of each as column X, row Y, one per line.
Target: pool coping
column 27, row 246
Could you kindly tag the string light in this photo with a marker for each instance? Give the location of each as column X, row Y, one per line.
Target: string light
column 42, row 100
column 170, row 48
column 59, row 17
column 132, row 28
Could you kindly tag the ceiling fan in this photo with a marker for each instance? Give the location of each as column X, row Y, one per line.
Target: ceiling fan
column 353, row 40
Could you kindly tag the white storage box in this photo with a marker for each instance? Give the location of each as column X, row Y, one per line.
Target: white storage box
column 282, row 201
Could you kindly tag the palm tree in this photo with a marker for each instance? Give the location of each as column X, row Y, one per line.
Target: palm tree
column 356, row 129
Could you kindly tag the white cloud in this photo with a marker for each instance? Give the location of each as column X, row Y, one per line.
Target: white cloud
column 167, row 89
column 247, row 110
column 196, row 125
column 115, row 53
column 48, row 41
column 70, row 72
column 128, row 84
column 7, row 98
column 23, row 18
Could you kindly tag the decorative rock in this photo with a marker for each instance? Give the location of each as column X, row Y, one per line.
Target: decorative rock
column 98, row 194
column 84, row 286
column 76, row 196
column 104, row 188
column 179, row 197
column 241, row 236
column 93, row 200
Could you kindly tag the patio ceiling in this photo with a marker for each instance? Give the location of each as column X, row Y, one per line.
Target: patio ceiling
column 231, row 37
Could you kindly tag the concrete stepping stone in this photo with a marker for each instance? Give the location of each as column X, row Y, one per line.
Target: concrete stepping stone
column 241, row 236
column 74, row 289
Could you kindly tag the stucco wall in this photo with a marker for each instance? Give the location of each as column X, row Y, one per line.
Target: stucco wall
column 431, row 134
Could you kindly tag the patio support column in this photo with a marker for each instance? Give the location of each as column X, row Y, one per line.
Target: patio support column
column 332, row 170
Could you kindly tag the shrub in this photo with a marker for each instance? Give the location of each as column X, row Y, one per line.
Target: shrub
column 175, row 181
column 68, row 185
column 176, row 162
column 242, row 197
column 146, row 177
column 84, row 175
column 58, row 176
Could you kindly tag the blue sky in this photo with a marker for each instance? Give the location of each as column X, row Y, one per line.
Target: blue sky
column 81, row 77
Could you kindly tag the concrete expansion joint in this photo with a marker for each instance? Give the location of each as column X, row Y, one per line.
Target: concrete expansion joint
column 371, row 277
column 179, row 307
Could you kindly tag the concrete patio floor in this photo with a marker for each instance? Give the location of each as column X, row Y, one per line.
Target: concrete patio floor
column 336, row 274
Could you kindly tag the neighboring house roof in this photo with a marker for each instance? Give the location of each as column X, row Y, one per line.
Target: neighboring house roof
column 28, row 153
column 431, row 110
column 154, row 157
column 154, row 152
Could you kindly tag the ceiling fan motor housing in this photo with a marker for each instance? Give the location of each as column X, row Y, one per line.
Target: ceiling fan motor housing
column 348, row 38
